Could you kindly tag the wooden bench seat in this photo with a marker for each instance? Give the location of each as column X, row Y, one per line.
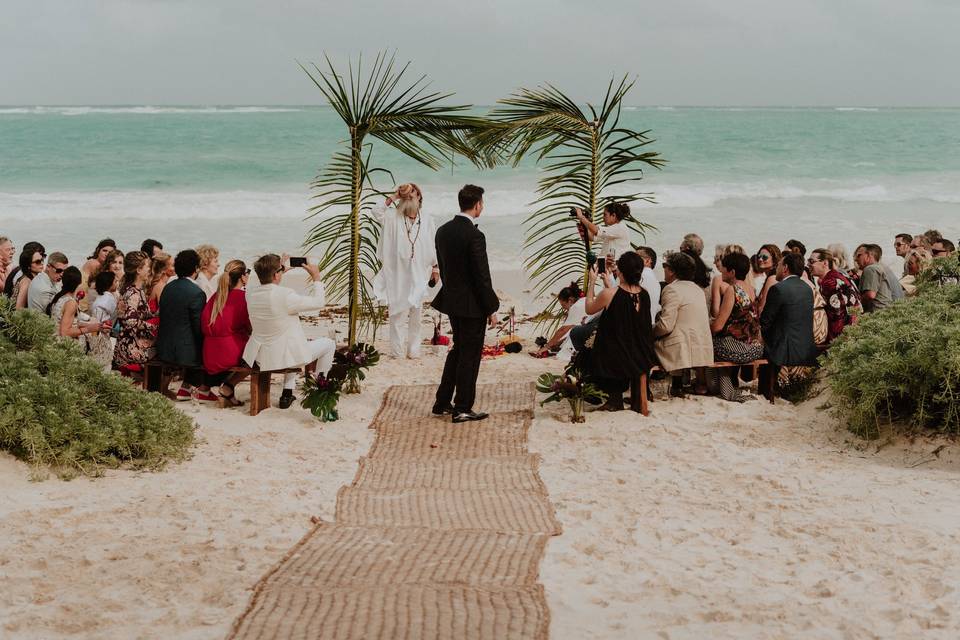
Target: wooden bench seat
column 153, row 374
column 762, row 370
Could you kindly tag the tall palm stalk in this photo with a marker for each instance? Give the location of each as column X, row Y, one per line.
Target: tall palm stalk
column 407, row 117
column 586, row 152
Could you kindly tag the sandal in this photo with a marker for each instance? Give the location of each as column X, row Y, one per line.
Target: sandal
column 230, row 399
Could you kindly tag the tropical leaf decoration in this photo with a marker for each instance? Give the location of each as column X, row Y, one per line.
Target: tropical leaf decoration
column 378, row 104
column 585, row 154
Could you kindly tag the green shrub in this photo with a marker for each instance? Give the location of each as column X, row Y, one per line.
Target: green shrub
column 900, row 364
column 58, row 408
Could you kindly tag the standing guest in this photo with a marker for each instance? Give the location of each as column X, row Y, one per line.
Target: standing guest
column 408, row 269
column 161, row 270
column 839, row 294
column 7, row 253
column 614, row 235
column 136, row 343
column 209, row 266
column 649, row 280
column 94, row 264
column 226, row 329
column 30, row 265
column 468, row 298
column 942, row 248
column 64, row 310
column 916, row 261
column 787, row 319
column 151, row 247
column 573, row 302
column 767, row 259
column 879, row 288
column 622, row 347
column 46, row 284
column 736, row 332
column 180, row 335
column 103, row 310
column 683, row 328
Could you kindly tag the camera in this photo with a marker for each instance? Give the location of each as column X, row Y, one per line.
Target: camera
column 573, row 212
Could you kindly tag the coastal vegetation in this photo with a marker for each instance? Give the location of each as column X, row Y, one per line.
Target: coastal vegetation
column 902, row 365
column 60, row 410
column 378, row 104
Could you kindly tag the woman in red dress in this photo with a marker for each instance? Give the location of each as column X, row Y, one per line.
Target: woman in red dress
column 226, row 329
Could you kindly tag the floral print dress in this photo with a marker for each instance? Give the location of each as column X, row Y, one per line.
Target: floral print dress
column 840, row 297
column 135, row 345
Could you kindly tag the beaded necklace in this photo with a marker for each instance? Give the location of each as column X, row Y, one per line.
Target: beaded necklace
column 409, row 228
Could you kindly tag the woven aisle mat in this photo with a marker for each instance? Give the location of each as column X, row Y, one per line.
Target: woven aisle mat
column 502, row 434
column 440, row 535
column 335, row 556
column 416, row 401
column 505, row 473
column 398, row 613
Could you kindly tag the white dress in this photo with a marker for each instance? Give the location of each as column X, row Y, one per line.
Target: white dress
column 407, row 255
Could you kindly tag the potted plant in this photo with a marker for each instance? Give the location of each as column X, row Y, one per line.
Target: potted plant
column 571, row 387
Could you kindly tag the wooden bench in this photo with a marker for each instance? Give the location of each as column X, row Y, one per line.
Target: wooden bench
column 762, row 370
column 153, row 375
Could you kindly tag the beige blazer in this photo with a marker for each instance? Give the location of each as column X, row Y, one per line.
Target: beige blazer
column 683, row 327
column 278, row 341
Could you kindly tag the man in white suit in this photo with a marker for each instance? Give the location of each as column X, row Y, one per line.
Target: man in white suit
column 278, row 341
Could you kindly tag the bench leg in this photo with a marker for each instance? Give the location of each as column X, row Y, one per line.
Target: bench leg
column 259, row 392
column 153, row 377
column 638, row 395
column 767, row 382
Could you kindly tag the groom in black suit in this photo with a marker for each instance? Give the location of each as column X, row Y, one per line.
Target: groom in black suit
column 468, row 298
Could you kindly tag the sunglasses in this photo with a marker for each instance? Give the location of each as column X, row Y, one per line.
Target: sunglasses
column 40, row 261
column 765, row 256
column 938, row 252
column 247, row 272
column 59, row 271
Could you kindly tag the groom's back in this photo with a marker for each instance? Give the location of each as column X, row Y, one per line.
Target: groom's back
column 456, row 243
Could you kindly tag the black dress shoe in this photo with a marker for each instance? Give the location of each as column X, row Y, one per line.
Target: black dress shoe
column 286, row 399
column 469, row 416
column 439, row 411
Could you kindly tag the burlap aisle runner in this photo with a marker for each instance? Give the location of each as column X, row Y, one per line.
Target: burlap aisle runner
column 440, row 535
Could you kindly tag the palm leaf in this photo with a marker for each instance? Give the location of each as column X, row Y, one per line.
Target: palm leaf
column 377, row 104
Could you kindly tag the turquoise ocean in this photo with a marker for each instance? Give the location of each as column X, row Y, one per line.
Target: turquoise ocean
column 238, row 177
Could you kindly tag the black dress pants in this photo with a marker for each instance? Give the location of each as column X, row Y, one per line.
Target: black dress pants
column 463, row 364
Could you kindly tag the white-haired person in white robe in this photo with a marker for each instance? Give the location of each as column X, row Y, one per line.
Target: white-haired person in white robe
column 278, row 341
column 408, row 258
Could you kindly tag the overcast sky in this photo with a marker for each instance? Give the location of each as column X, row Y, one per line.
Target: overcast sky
column 684, row 52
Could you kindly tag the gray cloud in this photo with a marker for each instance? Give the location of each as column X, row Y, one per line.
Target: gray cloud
column 687, row 52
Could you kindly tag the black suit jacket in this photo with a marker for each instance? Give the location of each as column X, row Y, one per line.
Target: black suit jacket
column 466, row 290
column 787, row 324
column 180, row 338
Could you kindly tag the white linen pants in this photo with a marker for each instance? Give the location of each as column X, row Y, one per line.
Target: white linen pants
column 320, row 350
column 405, row 332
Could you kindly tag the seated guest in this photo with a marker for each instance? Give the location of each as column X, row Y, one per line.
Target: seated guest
column 226, row 329
column 151, row 247
column 757, row 277
column 736, row 332
column 278, row 341
column 94, row 264
column 718, row 284
column 571, row 300
column 30, row 264
column 787, row 319
column 114, row 264
column 879, row 288
column 901, row 245
column 767, row 259
column 209, row 266
column 103, row 310
column 683, row 327
column 942, row 248
column 7, row 253
column 839, row 294
column 915, row 261
column 622, row 347
column 649, row 281
column 161, row 270
column 795, row 246
column 180, row 336
column 46, row 283
column 64, row 310
column 136, row 341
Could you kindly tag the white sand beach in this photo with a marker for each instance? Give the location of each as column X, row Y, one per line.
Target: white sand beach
column 706, row 519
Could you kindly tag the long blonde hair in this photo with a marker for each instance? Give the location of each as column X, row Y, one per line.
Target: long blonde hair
column 231, row 275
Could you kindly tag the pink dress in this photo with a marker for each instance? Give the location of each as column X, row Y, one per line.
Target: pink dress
column 223, row 343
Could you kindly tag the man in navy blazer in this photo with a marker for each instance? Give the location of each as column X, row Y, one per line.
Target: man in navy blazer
column 467, row 297
column 787, row 318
